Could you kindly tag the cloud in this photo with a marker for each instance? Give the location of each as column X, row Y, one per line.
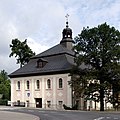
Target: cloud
column 37, row 47
column 42, row 22
column 37, row 21
column 9, row 64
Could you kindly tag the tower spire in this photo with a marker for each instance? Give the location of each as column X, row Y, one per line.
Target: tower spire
column 67, row 40
column 67, row 15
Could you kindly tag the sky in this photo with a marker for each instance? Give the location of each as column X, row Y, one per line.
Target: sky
column 41, row 22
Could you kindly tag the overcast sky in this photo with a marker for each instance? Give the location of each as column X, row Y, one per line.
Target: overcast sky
column 42, row 22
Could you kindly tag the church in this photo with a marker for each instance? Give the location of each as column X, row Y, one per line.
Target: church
column 43, row 81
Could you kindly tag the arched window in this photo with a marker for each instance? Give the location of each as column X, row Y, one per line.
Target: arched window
column 60, row 83
column 38, row 84
column 18, row 85
column 28, row 85
column 48, row 83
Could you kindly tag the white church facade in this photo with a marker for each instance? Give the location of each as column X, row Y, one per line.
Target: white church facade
column 49, row 91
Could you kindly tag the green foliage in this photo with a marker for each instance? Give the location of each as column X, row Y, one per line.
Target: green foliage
column 78, row 81
column 21, row 50
column 4, row 85
column 99, row 47
column 3, row 102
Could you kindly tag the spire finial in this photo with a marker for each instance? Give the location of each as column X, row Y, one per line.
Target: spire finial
column 67, row 15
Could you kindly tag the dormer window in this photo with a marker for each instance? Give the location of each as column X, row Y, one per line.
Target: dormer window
column 41, row 63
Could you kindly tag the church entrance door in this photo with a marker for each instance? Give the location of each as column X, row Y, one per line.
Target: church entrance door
column 38, row 102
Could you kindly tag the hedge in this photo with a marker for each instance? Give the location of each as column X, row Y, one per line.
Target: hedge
column 3, row 102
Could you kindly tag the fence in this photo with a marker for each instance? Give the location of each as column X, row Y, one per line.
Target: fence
column 45, row 106
column 19, row 104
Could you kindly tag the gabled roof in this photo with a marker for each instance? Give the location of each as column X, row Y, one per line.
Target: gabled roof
column 59, row 60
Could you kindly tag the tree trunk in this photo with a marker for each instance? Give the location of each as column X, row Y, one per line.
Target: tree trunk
column 101, row 96
column 101, row 99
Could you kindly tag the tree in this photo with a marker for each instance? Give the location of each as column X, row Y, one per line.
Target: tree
column 99, row 47
column 21, row 50
column 78, row 84
column 3, row 76
column 115, row 81
column 4, row 85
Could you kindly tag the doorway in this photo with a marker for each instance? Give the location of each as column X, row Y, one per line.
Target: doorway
column 38, row 102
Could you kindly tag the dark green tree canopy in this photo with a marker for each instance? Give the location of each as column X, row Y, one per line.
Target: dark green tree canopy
column 4, row 85
column 99, row 47
column 21, row 50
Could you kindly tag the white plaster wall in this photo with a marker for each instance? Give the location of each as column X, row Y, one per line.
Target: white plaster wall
column 54, row 94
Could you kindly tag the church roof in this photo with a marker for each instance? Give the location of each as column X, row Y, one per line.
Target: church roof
column 59, row 60
column 58, row 49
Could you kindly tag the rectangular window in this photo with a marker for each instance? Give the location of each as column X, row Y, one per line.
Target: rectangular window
column 60, row 104
column 27, row 103
column 18, row 102
column 49, row 104
column 91, row 105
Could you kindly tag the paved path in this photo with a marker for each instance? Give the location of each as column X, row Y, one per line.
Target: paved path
column 70, row 115
column 6, row 115
column 9, row 108
column 17, row 113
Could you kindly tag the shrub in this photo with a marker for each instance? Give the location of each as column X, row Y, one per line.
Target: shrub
column 75, row 107
column 3, row 102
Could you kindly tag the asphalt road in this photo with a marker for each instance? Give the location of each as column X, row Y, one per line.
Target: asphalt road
column 70, row 115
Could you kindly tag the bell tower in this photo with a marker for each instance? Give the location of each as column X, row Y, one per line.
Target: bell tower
column 67, row 40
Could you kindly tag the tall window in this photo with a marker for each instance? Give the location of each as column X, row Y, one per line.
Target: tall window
column 28, row 85
column 48, row 83
column 60, row 83
column 18, row 85
column 38, row 84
